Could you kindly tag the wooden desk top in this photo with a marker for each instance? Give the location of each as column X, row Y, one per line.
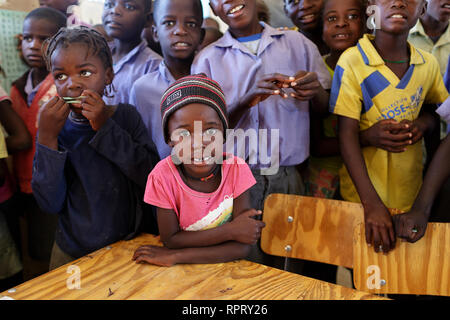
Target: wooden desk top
column 109, row 273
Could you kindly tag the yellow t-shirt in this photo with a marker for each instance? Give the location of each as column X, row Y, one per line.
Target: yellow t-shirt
column 365, row 89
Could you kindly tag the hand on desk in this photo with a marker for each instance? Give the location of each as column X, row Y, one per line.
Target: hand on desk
column 159, row 256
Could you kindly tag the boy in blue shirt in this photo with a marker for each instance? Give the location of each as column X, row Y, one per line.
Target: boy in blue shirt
column 124, row 21
column 178, row 28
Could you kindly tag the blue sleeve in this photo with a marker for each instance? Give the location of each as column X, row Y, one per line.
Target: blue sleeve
column 447, row 76
column 48, row 182
column 127, row 145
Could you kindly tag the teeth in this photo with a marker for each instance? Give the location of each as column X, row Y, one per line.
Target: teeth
column 309, row 16
column 201, row 160
column 397, row 16
column 181, row 44
column 341, row 36
column 236, row 9
column 447, row 6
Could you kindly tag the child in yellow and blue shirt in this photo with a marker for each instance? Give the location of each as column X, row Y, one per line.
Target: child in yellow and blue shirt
column 384, row 77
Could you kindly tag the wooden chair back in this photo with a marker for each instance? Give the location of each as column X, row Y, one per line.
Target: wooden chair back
column 421, row 268
column 310, row 228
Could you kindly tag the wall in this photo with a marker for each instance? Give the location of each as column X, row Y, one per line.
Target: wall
column 19, row 5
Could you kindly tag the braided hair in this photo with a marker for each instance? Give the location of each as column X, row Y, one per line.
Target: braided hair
column 95, row 42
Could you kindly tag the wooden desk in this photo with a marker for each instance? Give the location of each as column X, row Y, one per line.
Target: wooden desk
column 109, row 273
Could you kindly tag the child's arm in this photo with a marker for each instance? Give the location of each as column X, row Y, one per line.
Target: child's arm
column 165, row 257
column 243, row 228
column 267, row 85
column 438, row 172
column 131, row 149
column 48, row 182
column 378, row 222
column 18, row 136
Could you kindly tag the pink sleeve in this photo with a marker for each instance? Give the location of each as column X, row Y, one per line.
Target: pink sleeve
column 244, row 179
column 155, row 191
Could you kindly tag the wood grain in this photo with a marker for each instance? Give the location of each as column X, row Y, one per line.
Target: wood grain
column 321, row 229
column 422, row 267
column 110, row 274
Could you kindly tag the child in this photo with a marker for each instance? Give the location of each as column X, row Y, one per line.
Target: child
column 306, row 16
column 432, row 32
column 124, row 21
column 10, row 261
column 91, row 159
column 177, row 27
column 384, row 77
column 28, row 93
column 343, row 25
column 269, row 77
column 203, row 207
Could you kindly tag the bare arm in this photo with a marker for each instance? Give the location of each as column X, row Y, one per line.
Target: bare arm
column 378, row 222
column 242, row 228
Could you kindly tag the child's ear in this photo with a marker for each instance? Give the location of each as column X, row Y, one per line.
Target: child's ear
column 202, row 34
column 109, row 76
column 424, row 8
column 155, row 33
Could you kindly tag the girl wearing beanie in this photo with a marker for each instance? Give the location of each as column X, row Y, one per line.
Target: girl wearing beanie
column 202, row 196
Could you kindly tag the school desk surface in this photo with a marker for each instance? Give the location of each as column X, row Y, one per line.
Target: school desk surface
column 110, row 274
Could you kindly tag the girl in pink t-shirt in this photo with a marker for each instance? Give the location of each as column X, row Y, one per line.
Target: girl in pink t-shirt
column 202, row 196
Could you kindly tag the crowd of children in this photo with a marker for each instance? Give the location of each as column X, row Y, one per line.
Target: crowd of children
column 110, row 138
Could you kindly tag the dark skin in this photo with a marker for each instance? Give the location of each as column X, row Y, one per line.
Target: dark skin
column 435, row 20
column 35, row 32
column 178, row 29
column 76, row 73
column 124, row 21
column 227, row 242
column 417, row 217
column 391, row 43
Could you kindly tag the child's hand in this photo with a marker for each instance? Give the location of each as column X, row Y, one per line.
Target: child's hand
column 417, row 128
column 95, row 110
column 388, row 135
column 379, row 228
column 245, row 228
column 51, row 119
column 160, row 256
column 410, row 226
column 306, row 85
column 269, row 84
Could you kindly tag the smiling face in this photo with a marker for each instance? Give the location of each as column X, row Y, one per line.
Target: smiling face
column 439, row 10
column 240, row 15
column 398, row 17
column 178, row 28
column 182, row 127
column 125, row 19
column 74, row 70
column 304, row 14
column 34, row 33
column 342, row 23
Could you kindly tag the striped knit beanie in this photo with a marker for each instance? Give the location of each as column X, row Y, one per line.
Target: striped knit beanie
column 193, row 89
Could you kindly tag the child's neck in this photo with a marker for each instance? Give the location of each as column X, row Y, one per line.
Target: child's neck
column 122, row 48
column 178, row 68
column 433, row 28
column 391, row 46
column 253, row 28
column 208, row 186
column 38, row 75
column 333, row 58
